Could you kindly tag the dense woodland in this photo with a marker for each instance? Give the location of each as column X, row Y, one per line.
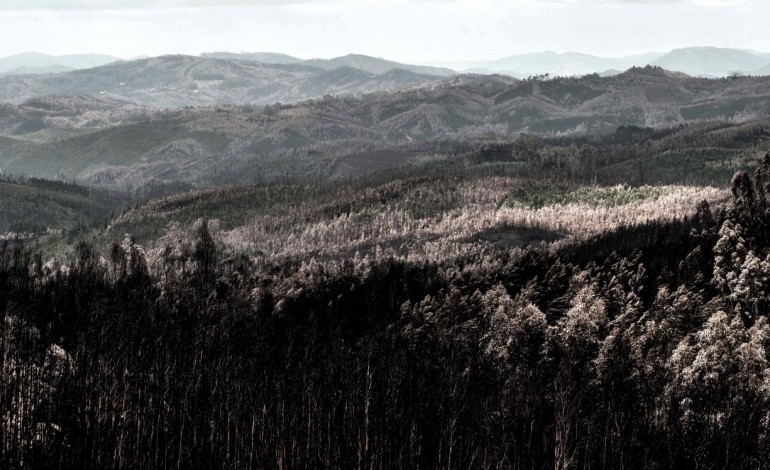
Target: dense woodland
column 481, row 272
column 32, row 206
column 644, row 346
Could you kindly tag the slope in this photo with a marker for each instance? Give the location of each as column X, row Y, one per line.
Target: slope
column 171, row 81
column 710, row 61
column 32, row 206
column 73, row 61
column 132, row 148
column 375, row 65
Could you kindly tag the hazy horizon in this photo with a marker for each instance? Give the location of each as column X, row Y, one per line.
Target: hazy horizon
column 403, row 30
column 354, row 52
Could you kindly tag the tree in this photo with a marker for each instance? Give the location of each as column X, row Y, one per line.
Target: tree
column 205, row 253
column 743, row 195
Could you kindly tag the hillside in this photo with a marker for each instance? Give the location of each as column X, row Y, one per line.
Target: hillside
column 35, row 60
column 37, row 70
column 414, row 214
column 711, row 61
column 420, row 303
column 170, row 81
column 695, row 61
column 124, row 146
column 390, row 269
column 264, row 57
column 762, row 72
column 566, row 64
column 46, row 116
column 32, row 206
column 372, row 65
column 375, row 65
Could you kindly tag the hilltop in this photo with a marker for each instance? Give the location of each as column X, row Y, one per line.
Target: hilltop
column 695, row 61
column 711, row 61
column 111, row 142
column 32, row 205
column 35, row 62
column 188, row 80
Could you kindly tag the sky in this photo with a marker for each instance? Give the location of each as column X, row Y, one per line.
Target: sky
column 404, row 30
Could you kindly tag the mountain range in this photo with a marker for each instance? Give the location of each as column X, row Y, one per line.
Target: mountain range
column 221, row 118
column 265, row 78
column 712, row 61
column 695, row 61
column 558, row 64
column 366, row 63
column 34, row 62
column 115, row 143
column 180, row 80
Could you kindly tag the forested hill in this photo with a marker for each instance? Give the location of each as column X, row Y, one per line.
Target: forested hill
column 33, row 206
column 117, row 144
column 179, row 80
column 646, row 346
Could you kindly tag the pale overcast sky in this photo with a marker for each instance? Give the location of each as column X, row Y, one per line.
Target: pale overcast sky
column 406, row 30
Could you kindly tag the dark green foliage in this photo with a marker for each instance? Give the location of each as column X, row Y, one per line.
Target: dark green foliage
column 538, row 195
column 32, row 205
column 205, row 254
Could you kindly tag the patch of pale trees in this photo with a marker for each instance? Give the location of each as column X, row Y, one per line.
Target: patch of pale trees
column 642, row 346
column 412, row 220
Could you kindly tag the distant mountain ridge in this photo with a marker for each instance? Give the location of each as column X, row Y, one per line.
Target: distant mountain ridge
column 711, row 61
column 695, row 61
column 180, row 80
column 121, row 145
column 366, row 63
column 41, row 61
column 264, row 57
column 763, row 71
column 37, row 70
column 265, row 77
column 376, row 65
column 569, row 63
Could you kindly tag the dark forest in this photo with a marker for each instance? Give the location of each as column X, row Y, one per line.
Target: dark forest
column 643, row 347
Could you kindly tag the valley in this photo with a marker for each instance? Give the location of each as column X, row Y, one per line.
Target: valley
column 122, row 145
column 255, row 260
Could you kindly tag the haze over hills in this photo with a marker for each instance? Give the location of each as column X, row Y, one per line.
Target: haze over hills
column 566, row 64
column 116, row 125
column 763, row 71
column 264, row 57
column 188, row 80
column 119, row 144
column 278, row 234
column 48, row 63
column 375, row 65
column 711, row 61
column 695, row 61
column 265, row 78
column 366, row 63
column 38, row 70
